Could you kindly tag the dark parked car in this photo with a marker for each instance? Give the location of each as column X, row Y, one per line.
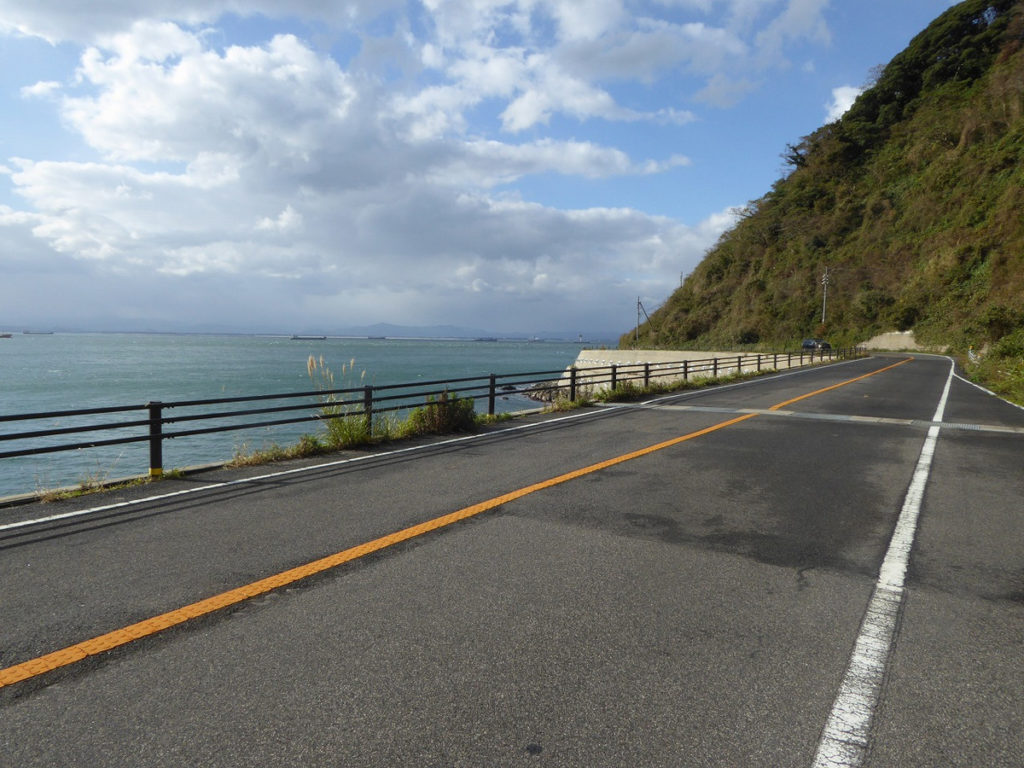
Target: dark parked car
column 816, row 344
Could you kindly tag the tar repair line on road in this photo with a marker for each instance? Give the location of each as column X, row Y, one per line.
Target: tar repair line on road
column 119, row 637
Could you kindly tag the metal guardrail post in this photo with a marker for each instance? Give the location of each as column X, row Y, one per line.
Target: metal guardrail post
column 368, row 408
column 714, row 367
column 491, row 386
column 647, row 375
column 739, row 364
column 615, row 370
column 156, row 445
column 572, row 383
column 758, row 362
column 686, row 370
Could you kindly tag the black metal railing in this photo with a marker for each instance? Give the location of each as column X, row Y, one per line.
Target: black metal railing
column 366, row 402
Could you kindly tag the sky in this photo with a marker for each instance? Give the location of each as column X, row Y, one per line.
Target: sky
column 527, row 167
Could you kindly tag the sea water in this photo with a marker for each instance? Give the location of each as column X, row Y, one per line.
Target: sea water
column 51, row 372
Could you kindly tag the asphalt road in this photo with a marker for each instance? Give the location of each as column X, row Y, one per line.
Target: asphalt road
column 696, row 605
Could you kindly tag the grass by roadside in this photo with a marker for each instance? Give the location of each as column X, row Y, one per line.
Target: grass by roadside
column 445, row 414
column 1002, row 375
column 631, row 391
column 347, row 426
column 91, row 485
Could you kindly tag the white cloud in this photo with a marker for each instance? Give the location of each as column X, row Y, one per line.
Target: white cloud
column 369, row 186
column 57, row 20
column 486, row 164
column 557, row 93
column 725, row 91
column 494, row 50
column 801, row 20
column 279, row 98
column 150, row 40
column 586, row 19
column 652, row 47
column 42, row 89
column 697, row 5
column 842, row 99
column 289, row 220
column 11, row 218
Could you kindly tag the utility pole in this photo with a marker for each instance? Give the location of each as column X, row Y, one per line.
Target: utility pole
column 640, row 310
column 636, row 340
column 824, row 293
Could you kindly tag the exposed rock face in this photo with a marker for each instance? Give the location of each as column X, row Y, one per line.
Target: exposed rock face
column 896, row 341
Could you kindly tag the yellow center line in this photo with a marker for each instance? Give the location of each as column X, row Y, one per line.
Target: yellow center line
column 780, row 406
column 151, row 626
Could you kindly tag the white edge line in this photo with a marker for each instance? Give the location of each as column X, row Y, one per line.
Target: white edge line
column 285, row 472
column 968, row 381
column 987, row 391
column 845, row 739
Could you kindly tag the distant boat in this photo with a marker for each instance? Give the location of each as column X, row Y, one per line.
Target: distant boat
column 5, row 336
column 296, row 337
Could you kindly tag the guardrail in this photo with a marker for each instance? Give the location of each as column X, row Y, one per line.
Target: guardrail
column 367, row 401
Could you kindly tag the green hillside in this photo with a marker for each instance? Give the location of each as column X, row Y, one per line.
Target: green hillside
column 913, row 201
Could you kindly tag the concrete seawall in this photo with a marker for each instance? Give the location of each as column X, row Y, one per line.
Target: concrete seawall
column 666, row 366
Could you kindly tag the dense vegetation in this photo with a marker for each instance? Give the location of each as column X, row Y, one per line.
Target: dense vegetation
column 913, row 201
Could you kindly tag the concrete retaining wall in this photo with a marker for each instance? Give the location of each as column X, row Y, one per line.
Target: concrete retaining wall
column 896, row 341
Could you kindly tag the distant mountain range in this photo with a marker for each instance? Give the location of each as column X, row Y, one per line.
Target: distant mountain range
column 450, row 332
column 416, row 331
column 389, row 330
